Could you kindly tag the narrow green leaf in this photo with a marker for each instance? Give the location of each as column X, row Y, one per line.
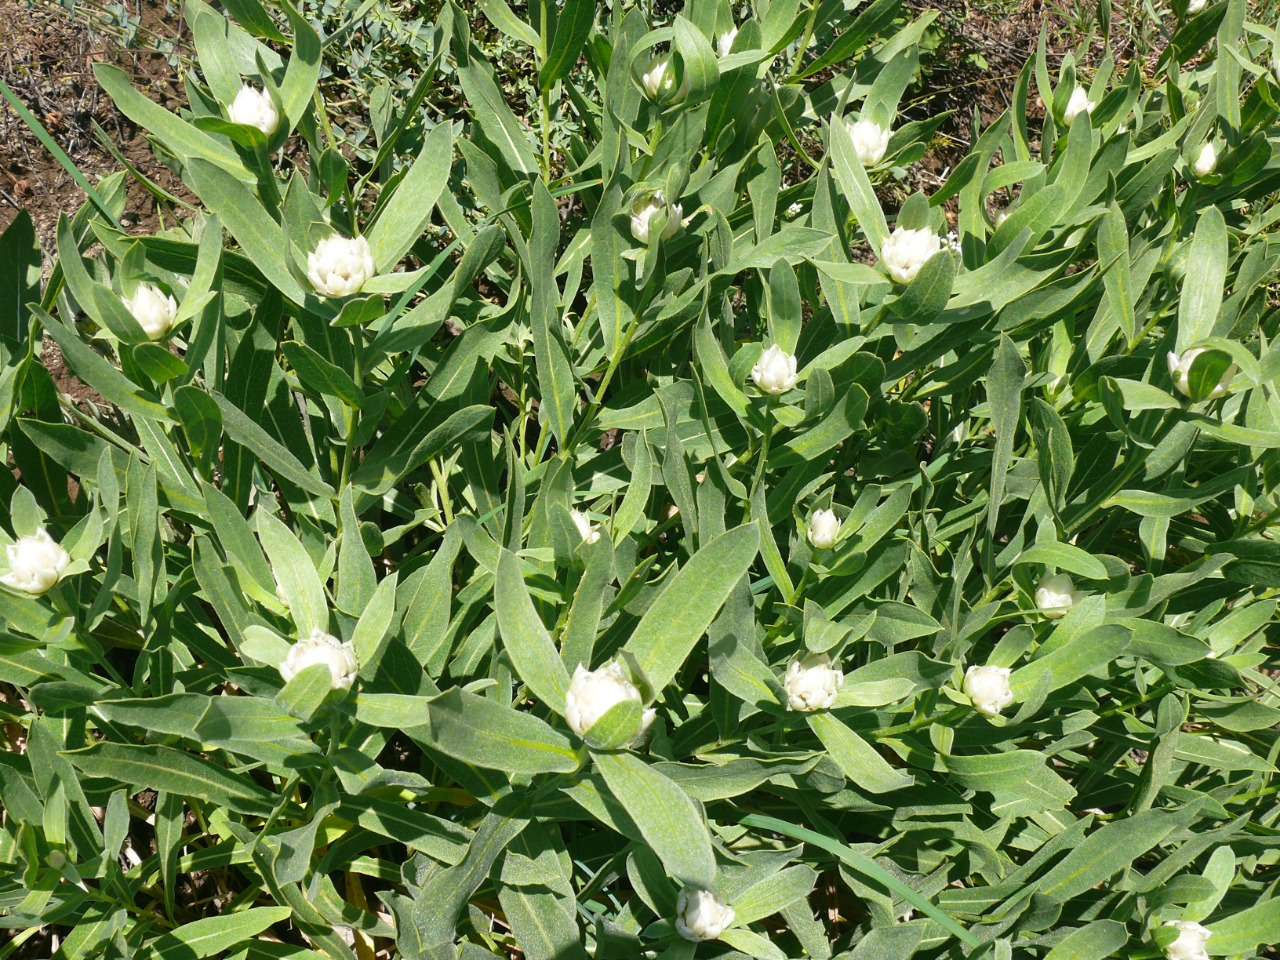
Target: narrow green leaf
column 525, row 639
column 573, row 26
column 670, row 822
column 689, row 602
column 1114, row 258
column 558, row 393
column 488, row 734
column 163, row 768
column 857, row 759
column 1206, row 273
column 407, row 212
column 243, row 430
column 1004, row 394
column 213, row 936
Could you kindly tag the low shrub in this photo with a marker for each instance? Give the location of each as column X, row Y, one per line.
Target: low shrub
column 605, row 544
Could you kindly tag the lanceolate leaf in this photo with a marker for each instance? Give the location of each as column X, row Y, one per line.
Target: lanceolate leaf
column 483, row 732
column 689, row 602
column 525, row 639
column 669, row 821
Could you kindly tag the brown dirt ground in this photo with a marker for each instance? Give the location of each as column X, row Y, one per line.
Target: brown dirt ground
column 47, row 55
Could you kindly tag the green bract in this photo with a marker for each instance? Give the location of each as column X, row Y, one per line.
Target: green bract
column 469, row 417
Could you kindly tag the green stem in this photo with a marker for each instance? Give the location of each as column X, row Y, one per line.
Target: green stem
column 442, row 482
column 1154, row 693
column 545, row 102
column 804, row 40
column 764, row 445
column 353, row 421
column 805, row 578
column 955, row 713
column 594, row 406
column 786, row 126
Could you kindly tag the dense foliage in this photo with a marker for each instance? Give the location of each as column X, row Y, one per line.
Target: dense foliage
column 606, row 531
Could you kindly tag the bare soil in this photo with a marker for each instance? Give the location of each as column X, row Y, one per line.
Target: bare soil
column 47, row 55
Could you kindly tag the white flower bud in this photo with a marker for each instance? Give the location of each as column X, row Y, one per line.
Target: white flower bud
column 1206, row 161
column 35, row 563
column 1191, row 941
column 794, row 210
column 775, row 371
column 659, row 81
column 1056, row 595
column 1180, row 372
column 253, row 108
column 812, row 683
column 870, row 141
column 1078, row 104
column 589, row 533
column 322, row 648
column 154, row 311
column 724, row 42
column 824, row 529
column 988, row 689
column 592, row 693
column 1195, row 6
column 339, row 266
column 905, row 252
column 642, row 217
column 701, row 915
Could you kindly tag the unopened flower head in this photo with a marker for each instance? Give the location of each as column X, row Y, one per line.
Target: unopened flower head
column 988, row 689
column 1078, row 104
column 153, row 309
column 701, row 915
column 1206, row 161
column 253, row 108
column 644, row 214
column 322, row 648
column 1056, row 595
column 592, row 693
column 589, row 533
column 905, row 251
column 824, row 529
column 36, row 563
column 660, row 81
column 1195, row 6
column 775, row 371
column 724, row 42
column 1191, row 941
column 812, row 683
column 1180, row 373
column 794, row 210
column 340, row 266
column 870, row 140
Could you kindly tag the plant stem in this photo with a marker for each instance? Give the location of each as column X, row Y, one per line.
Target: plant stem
column 594, row 406
column 545, row 102
column 353, row 423
column 764, row 445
